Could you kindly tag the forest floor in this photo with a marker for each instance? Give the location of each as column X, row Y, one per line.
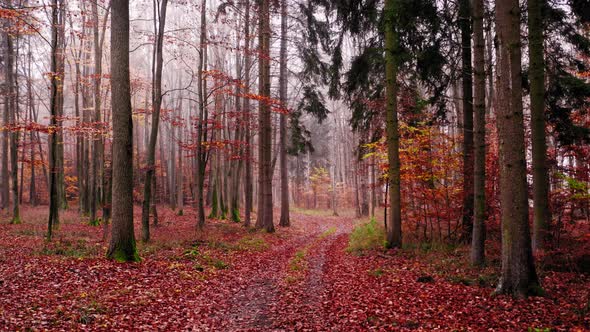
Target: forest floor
column 233, row 279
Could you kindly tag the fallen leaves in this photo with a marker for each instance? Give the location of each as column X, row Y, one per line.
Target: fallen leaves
column 232, row 279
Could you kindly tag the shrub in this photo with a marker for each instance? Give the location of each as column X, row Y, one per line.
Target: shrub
column 367, row 236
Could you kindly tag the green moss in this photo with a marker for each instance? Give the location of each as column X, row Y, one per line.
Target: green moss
column 235, row 215
column 252, row 243
column 180, row 213
column 16, row 220
column 377, row 272
column 219, row 264
column 122, row 256
column 95, row 222
column 298, row 262
column 328, row 232
column 78, row 249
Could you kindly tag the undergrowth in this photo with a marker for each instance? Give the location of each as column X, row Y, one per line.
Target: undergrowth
column 367, row 236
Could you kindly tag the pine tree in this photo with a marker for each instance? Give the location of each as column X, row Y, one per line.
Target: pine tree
column 519, row 276
column 265, row 206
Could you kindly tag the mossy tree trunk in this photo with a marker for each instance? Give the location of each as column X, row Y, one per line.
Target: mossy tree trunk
column 122, row 245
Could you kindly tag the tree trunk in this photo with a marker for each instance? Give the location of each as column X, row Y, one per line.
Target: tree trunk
column 247, row 113
column 53, row 197
column 4, row 177
column 33, row 199
column 283, row 121
column 542, row 212
column 334, row 209
column 490, row 65
column 467, row 89
column 265, row 206
column 479, row 97
column 156, row 105
column 238, row 149
column 10, row 107
column 394, row 227
column 79, row 135
column 172, row 168
column 201, row 131
column 519, row 277
column 122, row 246
column 98, row 148
column 86, row 148
column 180, row 183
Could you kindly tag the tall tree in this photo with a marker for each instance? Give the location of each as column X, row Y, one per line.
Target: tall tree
column 247, row 114
column 53, row 124
column 60, row 72
column 236, row 166
column 467, row 107
column 519, row 277
column 33, row 199
column 265, row 207
column 97, row 147
column 394, row 222
column 98, row 156
column 10, row 107
column 122, row 246
column 201, row 129
column 479, row 96
column 4, row 177
column 156, row 106
column 283, row 78
column 541, row 210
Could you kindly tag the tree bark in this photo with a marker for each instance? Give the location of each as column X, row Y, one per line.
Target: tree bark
column 265, row 207
column 479, row 97
column 53, row 197
column 201, row 131
column 284, row 221
column 11, row 109
column 467, row 89
column 156, row 105
column 4, row 176
column 122, row 247
column 248, row 188
column 519, row 277
column 180, row 182
column 98, row 148
column 541, row 210
column 33, row 199
column 394, row 227
column 60, row 162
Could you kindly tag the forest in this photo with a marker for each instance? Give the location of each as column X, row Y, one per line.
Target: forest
column 295, row 165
